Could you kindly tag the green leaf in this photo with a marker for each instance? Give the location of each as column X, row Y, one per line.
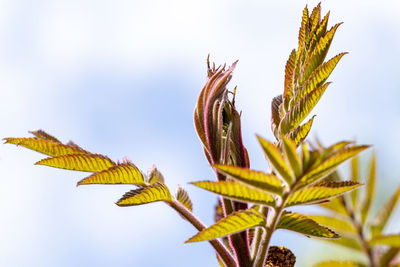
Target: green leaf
column 234, row 223
column 123, row 173
column 299, row 223
column 336, row 263
column 182, row 196
column 258, row 179
column 334, row 222
column 388, row 240
column 289, row 147
column 44, row 146
column 300, row 132
column 144, row 195
column 79, row 162
column 301, row 109
column 370, row 190
column 277, row 161
column 320, row 191
column 237, row 191
column 329, row 164
column 379, row 222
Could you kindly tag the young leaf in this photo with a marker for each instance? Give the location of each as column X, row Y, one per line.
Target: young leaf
column 336, row 263
column 144, row 195
column 47, row 147
column 123, row 173
column 289, row 147
column 370, row 190
column 388, row 240
column 289, row 74
column 330, row 164
column 258, row 179
column 378, row 224
column 237, row 191
column 299, row 223
column 300, row 132
column 276, row 118
column 336, row 223
column 45, row 136
column 154, row 175
column 276, row 159
column 79, row 162
column 182, row 196
column 320, row 191
column 235, row 222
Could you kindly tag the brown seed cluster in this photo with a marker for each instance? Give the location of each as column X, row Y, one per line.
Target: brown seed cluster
column 280, row 257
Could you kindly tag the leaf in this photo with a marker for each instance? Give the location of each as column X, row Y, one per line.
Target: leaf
column 154, row 176
column 320, row 191
column 182, row 196
column 351, row 242
column 320, row 75
column 258, row 179
column 275, row 118
column 355, row 176
column 300, row 132
column 301, row 109
column 388, row 256
column 330, row 164
column 299, row 223
column 336, row 263
column 370, row 190
column 336, row 205
column 144, row 195
column 289, row 75
column 237, row 191
column 45, row 136
column 275, row 157
column 123, row 173
column 388, row 240
column 79, row 162
column 379, row 222
column 46, row 147
column 334, row 222
column 234, row 223
column 289, row 147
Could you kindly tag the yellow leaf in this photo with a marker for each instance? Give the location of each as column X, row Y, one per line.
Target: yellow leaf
column 387, row 240
column 237, row 191
column 182, row 196
column 123, row 173
column 300, row 132
column 334, row 222
column 258, row 179
column 370, row 190
column 289, row 147
column 379, row 223
column 144, row 195
column 45, row 136
column 289, row 75
column 234, row 223
column 336, row 205
column 79, row 162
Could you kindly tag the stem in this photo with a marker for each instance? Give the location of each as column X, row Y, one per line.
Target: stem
column 221, row 250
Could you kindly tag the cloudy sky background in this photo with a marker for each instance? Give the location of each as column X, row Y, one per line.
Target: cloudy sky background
column 122, row 77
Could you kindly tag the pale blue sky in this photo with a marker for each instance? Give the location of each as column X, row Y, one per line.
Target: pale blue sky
column 122, row 77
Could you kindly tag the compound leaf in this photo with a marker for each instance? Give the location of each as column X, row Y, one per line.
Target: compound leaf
column 320, row 191
column 123, row 173
column 258, row 179
column 299, row 223
column 79, row 162
column 233, row 223
column 147, row 194
column 237, row 191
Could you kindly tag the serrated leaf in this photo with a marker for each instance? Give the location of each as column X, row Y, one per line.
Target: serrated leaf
column 183, row 197
column 320, row 75
column 79, row 162
column 152, row 193
column 275, row 118
column 300, row 133
column 237, row 191
column 154, row 175
column 289, row 148
column 320, row 191
column 234, row 223
column 46, row 147
column 123, row 173
column 334, row 222
column 258, row 179
column 336, row 205
column 299, row 223
column 336, row 263
column 45, row 136
column 388, row 240
column 289, row 75
column 301, row 109
column 370, row 190
column 379, row 222
column 330, row 164
column 303, row 33
column 277, row 161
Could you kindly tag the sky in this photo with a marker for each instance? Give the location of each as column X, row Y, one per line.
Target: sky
column 122, row 77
